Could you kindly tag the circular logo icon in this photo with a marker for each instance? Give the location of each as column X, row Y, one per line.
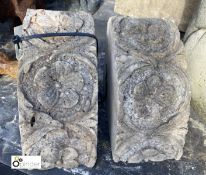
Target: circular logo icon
column 16, row 163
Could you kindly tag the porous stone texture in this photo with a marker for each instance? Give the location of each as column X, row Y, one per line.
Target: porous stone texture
column 180, row 11
column 58, row 90
column 195, row 45
column 149, row 90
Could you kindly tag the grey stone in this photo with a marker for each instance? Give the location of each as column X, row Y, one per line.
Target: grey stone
column 90, row 5
column 149, row 90
column 180, row 11
column 198, row 21
column 195, row 45
column 58, row 90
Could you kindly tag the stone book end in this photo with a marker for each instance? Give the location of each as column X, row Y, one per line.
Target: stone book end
column 58, row 90
column 149, row 90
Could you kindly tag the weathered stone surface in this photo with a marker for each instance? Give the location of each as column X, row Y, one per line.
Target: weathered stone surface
column 58, row 90
column 9, row 133
column 149, row 91
column 195, row 45
column 180, row 11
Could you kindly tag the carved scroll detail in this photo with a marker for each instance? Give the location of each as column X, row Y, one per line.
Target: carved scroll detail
column 57, row 92
column 153, row 90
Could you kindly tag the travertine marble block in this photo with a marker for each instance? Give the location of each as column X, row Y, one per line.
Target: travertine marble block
column 195, row 44
column 58, row 90
column 180, row 11
column 149, row 90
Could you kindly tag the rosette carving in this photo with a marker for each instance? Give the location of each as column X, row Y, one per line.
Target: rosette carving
column 63, row 84
column 156, row 38
column 64, row 87
column 153, row 90
column 58, row 91
column 152, row 95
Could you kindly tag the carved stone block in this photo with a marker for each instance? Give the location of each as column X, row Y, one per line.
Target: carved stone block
column 180, row 11
column 149, row 91
column 58, row 90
